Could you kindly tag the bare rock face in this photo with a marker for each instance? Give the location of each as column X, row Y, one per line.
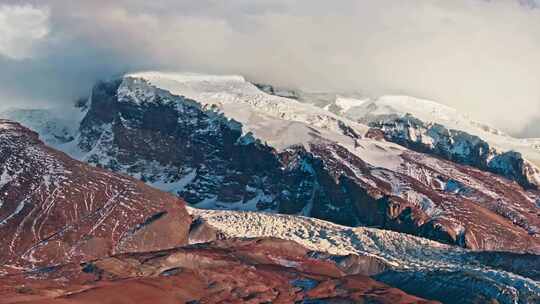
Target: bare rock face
column 232, row 271
column 198, row 153
column 55, row 210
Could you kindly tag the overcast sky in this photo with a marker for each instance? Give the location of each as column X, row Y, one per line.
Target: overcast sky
column 480, row 56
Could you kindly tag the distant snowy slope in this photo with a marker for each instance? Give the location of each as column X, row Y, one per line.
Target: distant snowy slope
column 55, row 126
column 368, row 111
column 427, row 126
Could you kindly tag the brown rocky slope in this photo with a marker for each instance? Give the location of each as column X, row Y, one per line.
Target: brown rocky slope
column 232, row 271
column 55, row 210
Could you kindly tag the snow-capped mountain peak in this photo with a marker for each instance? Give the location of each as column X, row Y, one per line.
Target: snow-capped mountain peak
column 262, row 114
column 400, row 105
column 426, row 125
column 221, row 142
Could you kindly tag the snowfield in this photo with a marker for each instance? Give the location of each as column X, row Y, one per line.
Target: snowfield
column 281, row 122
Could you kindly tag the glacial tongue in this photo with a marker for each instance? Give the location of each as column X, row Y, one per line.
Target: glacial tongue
column 416, row 265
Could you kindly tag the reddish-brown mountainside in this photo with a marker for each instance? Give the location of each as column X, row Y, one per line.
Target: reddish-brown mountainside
column 55, row 210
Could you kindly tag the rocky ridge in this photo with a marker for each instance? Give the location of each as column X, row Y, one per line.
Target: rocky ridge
column 55, row 210
column 233, row 271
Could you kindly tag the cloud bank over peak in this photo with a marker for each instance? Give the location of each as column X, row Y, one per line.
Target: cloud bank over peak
column 21, row 28
column 481, row 57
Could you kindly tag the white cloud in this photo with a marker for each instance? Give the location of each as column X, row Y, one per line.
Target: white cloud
column 479, row 56
column 21, row 28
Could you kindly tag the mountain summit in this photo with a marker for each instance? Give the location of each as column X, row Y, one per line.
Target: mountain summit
column 220, row 142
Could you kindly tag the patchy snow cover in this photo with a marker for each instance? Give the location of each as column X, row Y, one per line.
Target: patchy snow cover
column 12, row 170
column 51, row 206
column 401, row 251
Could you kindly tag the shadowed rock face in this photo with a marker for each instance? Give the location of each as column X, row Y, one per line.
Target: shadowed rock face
column 55, row 210
column 525, row 265
column 231, row 271
column 178, row 145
